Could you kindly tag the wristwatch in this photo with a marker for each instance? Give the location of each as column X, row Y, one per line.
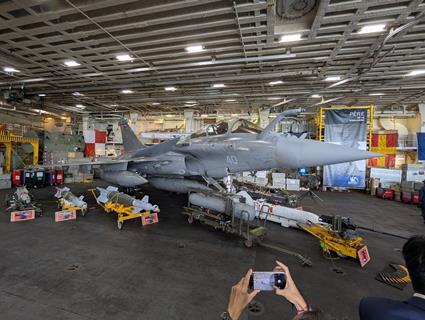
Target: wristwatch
column 225, row 316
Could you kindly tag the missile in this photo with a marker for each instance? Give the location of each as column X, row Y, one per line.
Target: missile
column 112, row 194
column 70, row 199
column 241, row 210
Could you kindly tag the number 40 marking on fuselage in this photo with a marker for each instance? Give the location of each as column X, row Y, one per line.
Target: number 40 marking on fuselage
column 232, row 159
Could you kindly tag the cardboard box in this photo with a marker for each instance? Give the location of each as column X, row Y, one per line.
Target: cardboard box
column 293, row 184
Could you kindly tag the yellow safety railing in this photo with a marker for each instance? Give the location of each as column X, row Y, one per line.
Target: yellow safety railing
column 320, row 121
column 8, row 140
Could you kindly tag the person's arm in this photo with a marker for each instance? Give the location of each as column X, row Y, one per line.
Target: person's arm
column 240, row 297
column 291, row 292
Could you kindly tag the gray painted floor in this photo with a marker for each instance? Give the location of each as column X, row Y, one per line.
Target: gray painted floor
column 174, row 270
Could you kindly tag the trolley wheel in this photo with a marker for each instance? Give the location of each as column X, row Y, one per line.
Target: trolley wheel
column 248, row 243
column 83, row 213
column 120, row 224
column 190, row 219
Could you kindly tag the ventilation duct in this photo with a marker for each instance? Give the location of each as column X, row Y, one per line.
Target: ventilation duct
column 294, row 15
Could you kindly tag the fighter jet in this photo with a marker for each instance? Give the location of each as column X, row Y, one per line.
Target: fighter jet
column 196, row 161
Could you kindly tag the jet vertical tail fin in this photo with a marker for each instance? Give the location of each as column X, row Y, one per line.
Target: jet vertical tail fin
column 129, row 139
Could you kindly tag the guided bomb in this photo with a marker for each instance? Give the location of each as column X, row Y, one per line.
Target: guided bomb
column 112, row 194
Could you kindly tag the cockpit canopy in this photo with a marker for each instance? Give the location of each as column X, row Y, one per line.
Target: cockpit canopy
column 238, row 126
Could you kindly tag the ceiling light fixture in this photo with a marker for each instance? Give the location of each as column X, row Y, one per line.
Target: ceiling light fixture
column 42, row 94
column 10, row 69
column 155, row 103
column 377, row 94
column 33, row 80
column 272, row 83
column 195, row 49
column 77, row 94
column 124, row 57
column 230, row 100
column 71, row 63
column 274, row 98
column 170, row 88
column 218, row 85
column 169, row 115
column 415, row 72
column 80, row 106
column 340, row 82
column 372, row 28
column 139, row 69
column 290, row 37
column 316, row 96
column 190, row 101
column 126, row 91
column 333, row 78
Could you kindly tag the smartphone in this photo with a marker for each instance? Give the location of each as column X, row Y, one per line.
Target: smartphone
column 265, row 281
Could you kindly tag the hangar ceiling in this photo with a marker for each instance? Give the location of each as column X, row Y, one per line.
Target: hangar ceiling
column 244, row 54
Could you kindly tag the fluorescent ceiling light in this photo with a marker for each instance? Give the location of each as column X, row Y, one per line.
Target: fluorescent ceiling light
column 218, row 85
column 290, row 37
column 340, row 82
column 372, row 28
column 33, row 80
column 316, row 96
column 230, row 100
column 139, row 69
column 204, row 115
column 113, row 105
column 71, row 63
column 377, row 94
column 124, row 57
column 416, row 72
column 155, row 103
column 42, row 94
column 333, row 78
column 10, row 69
column 169, row 115
column 272, row 83
column 170, row 88
column 77, row 94
column 190, row 101
column 126, row 91
column 80, row 106
column 204, row 63
column 274, row 98
column 94, row 74
column 194, row 49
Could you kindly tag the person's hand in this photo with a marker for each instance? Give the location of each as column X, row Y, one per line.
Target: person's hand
column 290, row 292
column 240, row 297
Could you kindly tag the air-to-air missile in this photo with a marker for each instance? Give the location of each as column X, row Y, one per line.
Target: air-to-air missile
column 69, row 200
column 112, row 194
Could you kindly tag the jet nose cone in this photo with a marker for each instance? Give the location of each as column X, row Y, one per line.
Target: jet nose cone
column 297, row 153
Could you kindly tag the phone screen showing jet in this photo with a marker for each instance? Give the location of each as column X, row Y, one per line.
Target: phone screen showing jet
column 266, row 281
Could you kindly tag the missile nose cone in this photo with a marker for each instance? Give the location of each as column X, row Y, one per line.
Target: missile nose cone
column 297, row 153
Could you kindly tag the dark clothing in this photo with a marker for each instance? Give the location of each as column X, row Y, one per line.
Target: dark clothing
column 422, row 201
column 385, row 309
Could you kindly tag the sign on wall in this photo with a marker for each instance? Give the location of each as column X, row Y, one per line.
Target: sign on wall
column 346, row 127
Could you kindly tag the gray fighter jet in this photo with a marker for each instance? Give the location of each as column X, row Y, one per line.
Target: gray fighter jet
column 194, row 162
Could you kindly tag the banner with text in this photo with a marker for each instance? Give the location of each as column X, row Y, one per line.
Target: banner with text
column 346, row 127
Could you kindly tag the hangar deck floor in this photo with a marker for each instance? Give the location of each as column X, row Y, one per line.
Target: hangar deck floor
column 174, row 270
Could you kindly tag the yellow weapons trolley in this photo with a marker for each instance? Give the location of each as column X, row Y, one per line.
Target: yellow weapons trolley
column 331, row 240
column 65, row 206
column 124, row 212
